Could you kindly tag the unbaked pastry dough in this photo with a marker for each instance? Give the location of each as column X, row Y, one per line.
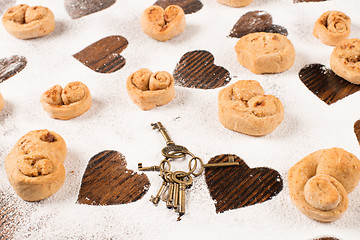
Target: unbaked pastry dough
column 345, row 60
column 332, row 27
column 70, row 102
column 149, row 90
column 319, row 184
column 244, row 108
column 235, row 3
column 34, row 165
column 2, row 102
column 265, row 52
column 161, row 24
column 26, row 22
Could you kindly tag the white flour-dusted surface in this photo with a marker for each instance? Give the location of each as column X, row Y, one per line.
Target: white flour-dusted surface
column 115, row 123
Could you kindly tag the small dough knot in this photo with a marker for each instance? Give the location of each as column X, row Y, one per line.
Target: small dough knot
column 160, row 80
column 337, row 22
column 53, row 95
column 141, row 79
column 73, row 92
column 35, row 165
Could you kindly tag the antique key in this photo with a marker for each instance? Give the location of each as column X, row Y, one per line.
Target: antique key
column 183, row 182
column 161, row 166
column 155, row 200
column 169, row 197
column 229, row 163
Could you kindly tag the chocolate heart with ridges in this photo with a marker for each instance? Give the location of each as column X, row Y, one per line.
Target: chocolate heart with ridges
column 104, row 56
column 107, row 181
column 196, row 69
column 80, row 8
column 189, row 6
column 325, row 84
column 298, row 1
column 11, row 66
column 240, row 186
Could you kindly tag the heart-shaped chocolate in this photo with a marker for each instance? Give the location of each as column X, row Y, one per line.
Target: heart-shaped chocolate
column 325, row 84
column 196, row 69
column 11, row 66
column 81, row 8
column 298, row 1
column 107, row 181
column 240, row 186
column 104, row 56
column 189, row 6
column 255, row 21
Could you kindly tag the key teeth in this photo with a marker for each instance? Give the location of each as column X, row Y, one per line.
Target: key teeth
column 139, row 166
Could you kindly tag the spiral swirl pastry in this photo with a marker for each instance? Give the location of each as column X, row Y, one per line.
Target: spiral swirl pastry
column 149, row 90
column 2, row 102
column 319, row 184
column 345, row 60
column 244, row 107
column 34, row 165
column 332, row 27
column 70, row 102
column 26, row 22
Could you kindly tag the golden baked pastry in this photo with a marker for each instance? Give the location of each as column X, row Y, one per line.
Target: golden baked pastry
column 149, row 90
column 26, row 22
column 161, row 24
column 319, row 184
column 345, row 60
column 235, row 3
column 244, row 107
column 2, row 102
column 332, row 27
column 34, row 165
column 265, row 52
column 70, row 102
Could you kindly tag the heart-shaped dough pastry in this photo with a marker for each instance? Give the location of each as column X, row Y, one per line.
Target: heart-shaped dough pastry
column 161, row 24
column 244, row 108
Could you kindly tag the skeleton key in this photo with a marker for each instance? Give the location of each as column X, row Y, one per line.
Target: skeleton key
column 155, row 200
column 161, row 167
column 168, row 198
column 175, row 202
column 183, row 182
column 229, row 163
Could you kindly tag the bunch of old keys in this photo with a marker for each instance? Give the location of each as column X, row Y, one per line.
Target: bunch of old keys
column 172, row 189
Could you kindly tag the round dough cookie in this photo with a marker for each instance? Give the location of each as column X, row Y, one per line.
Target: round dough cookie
column 244, row 107
column 26, row 22
column 149, row 90
column 70, row 102
column 265, row 52
column 332, row 27
column 161, row 24
column 235, row 3
column 345, row 60
column 2, row 102
column 319, row 184
column 34, row 165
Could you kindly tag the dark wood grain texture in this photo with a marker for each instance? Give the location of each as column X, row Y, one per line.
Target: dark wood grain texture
column 104, row 56
column 9, row 217
column 325, row 84
column 196, row 69
column 80, row 8
column 240, row 186
column 107, row 181
column 189, row 6
column 11, row 66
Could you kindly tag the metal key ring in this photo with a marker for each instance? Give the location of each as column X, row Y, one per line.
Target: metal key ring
column 182, row 181
column 192, row 169
column 162, row 165
column 174, row 151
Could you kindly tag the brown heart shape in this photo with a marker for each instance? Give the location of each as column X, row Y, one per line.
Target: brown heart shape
column 325, row 84
column 256, row 21
column 189, row 6
column 11, row 66
column 196, row 69
column 107, row 181
column 298, row 1
column 240, row 186
column 104, row 56
column 326, row 238
column 80, row 8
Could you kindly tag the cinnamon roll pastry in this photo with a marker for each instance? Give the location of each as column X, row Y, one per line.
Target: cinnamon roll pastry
column 26, row 22
column 161, row 24
column 70, row 102
column 2, row 102
column 265, row 52
column 319, row 184
column 345, row 60
column 235, row 3
column 244, row 107
column 34, row 165
column 332, row 27
column 149, row 90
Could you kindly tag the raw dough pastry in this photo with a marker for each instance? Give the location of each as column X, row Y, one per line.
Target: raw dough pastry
column 70, row 102
column 332, row 27
column 26, row 22
column 319, row 184
column 2, row 102
column 235, row 3
column 161, row 24
column 34, row 165
column 265, row 52
column 149, row 90
column 345, row 60
column 244, row 108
